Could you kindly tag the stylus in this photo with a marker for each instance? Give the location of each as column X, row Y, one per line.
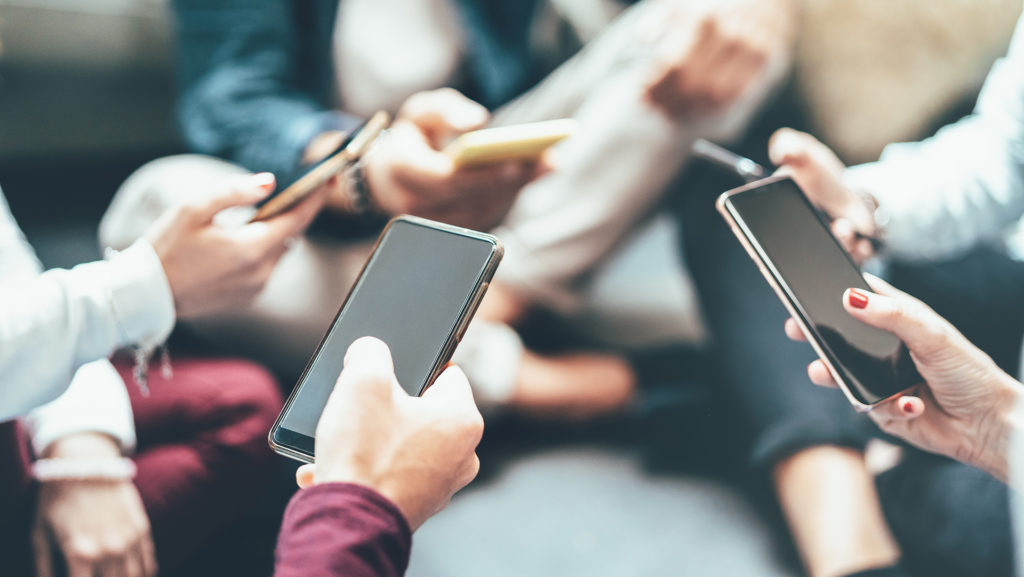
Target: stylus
column 745, row 168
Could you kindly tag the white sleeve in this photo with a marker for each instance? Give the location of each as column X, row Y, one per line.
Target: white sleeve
column 95, row 402
column 965, row 184
column 53, row 323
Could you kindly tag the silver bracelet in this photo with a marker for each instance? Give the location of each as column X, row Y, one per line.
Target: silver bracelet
column 115, row 469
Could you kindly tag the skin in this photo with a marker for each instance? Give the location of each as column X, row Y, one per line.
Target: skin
column 99, row 528
column 416, row 451
column 212, row 268
column 408, row 173
column 964, row 409
column 706, row 57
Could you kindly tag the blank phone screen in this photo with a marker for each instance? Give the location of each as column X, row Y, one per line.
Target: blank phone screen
column 815, row 271
column 411, row 295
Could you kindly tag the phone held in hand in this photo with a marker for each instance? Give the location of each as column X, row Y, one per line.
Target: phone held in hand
column 793, row 247
column 295, row 189
column 417, row 292
column 523, row 142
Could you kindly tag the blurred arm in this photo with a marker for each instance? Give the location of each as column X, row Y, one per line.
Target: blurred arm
column 965, row 184
column 53, row 323
column 241, row 98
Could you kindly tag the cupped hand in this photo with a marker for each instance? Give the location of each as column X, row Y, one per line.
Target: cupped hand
column 961, row 407
column 210, row 267
column 819, row 173
column 407, row 172
column 706, row 58
column 416, row 451
column 100, row 528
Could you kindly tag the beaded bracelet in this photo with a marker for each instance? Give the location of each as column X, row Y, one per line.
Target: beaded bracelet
column 117, row 469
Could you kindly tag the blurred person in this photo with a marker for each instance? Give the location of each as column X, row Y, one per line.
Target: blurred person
column 275, row 85
column 385, row 463
column 196, row 435
column 946, row 209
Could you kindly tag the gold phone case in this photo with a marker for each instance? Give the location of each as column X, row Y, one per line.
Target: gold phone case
column 519, row 142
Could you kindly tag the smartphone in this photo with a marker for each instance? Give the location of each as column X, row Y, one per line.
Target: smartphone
column 791, row 243
column 417, row 292
column 296, row 188
column 524, row 142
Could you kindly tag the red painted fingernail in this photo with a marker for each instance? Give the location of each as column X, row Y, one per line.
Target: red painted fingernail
column 263, row 179
column 858, row 299
column 908, row 407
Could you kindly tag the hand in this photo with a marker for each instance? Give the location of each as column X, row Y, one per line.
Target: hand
column 99, row 527
column 335, row 193
column 819, row 172
column 962, row 408
column 211, row 267
column 707, row 58
column 408, row 173
column 416, row 451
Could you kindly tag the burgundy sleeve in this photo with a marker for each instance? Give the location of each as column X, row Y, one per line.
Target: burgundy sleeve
column 340, row 529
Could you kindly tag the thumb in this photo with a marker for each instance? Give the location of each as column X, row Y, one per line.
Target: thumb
column 368, row 367
column 305, row 475
column 444, row 111
column 921, row 329
column 241, row 191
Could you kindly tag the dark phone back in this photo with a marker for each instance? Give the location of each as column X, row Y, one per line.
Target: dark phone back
column 812, row 270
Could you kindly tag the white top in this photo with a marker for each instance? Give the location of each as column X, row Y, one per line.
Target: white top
column 58, row 327
column 387, row 50
column 965, row 184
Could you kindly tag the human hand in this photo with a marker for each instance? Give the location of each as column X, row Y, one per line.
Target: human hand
column 100, row 527
column 962, row 408
column 819, row 173
column 210, row 267
column 416, row 451
column 408, row 173
column 707, row 57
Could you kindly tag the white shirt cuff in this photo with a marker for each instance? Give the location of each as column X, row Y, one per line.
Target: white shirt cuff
column 140, row 295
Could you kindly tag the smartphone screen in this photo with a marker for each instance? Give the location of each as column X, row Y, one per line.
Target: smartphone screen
column 813, row 271
column 416, row 293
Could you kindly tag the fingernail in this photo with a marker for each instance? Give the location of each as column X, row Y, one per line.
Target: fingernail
column 907, row 406
column 857, row 298
column 263, row 179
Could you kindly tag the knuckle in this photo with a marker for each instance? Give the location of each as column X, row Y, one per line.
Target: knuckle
column 84, row 549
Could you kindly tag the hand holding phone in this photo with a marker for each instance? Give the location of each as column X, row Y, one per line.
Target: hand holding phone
column 417, row 292
column 810, row 271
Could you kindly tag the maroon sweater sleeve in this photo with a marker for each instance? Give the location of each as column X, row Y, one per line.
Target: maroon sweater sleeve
column 340, row 529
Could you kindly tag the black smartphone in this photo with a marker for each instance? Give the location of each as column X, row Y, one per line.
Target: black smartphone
column 417, row 292
column 792, row 245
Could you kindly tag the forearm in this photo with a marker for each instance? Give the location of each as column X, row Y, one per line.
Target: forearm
column 343, row 530
column 54, row 324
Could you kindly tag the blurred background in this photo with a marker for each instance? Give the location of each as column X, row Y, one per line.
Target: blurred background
column 87, row 95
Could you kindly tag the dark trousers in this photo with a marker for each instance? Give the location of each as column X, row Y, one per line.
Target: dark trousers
column 950, row 519
column 202, row 459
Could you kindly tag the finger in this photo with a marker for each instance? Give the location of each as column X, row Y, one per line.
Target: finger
column 452, row 390
column 368, row 367
column 150, row 567
column 113, row 566
column 42, row 551
column 290, row 224
column 919, row 327
column 794, row 332
column 304, row 476
column 902, row 408
column 844, row 232
column 133, row 564
column 882, row 287
column 819, row 374
column 793, row 147
column 444, row 111
column 240, row 191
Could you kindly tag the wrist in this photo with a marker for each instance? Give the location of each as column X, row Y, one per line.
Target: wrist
column 995, row 432
column 84, row 446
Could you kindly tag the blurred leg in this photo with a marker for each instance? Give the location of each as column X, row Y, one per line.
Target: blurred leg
column 17, row 500
column 203, row 458
column 808, row 437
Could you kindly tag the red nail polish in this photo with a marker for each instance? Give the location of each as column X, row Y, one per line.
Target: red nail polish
column 858, row 299
column 908, row 407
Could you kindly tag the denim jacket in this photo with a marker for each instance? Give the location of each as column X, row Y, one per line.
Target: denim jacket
column 257, row 80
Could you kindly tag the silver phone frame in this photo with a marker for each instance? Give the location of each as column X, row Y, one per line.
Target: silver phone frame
column 468, row 310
